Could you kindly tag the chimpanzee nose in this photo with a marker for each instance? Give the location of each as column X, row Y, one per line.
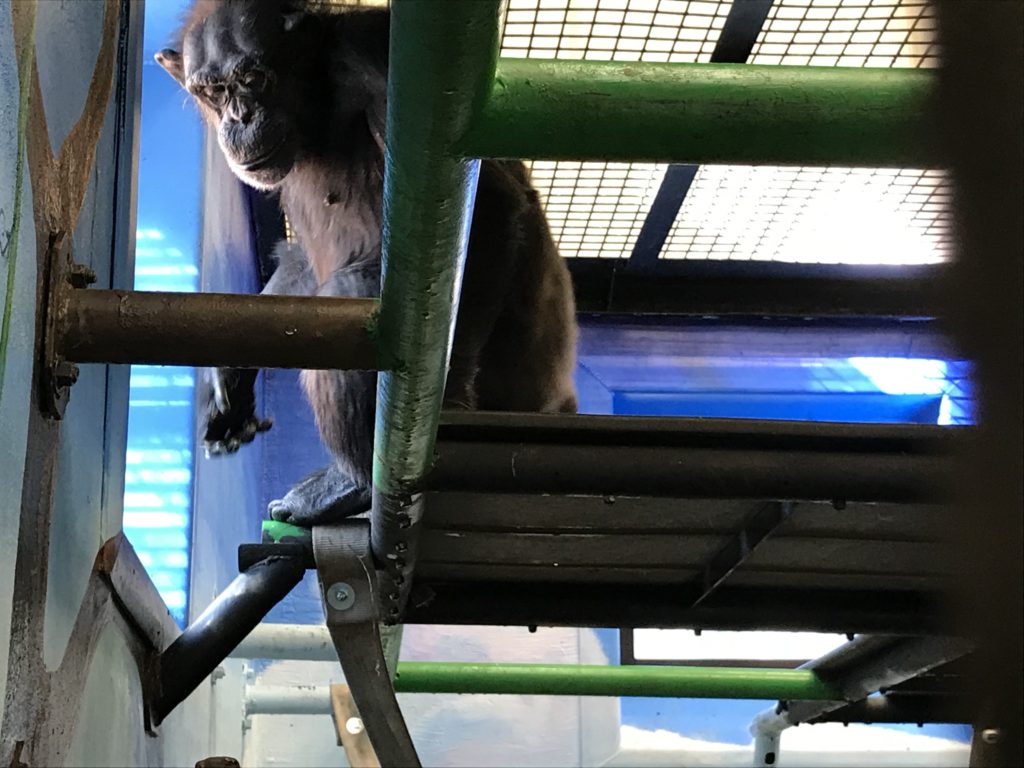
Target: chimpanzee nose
column 240, row 110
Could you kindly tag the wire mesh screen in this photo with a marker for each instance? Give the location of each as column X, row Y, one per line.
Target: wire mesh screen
column 597, row 209
column 817, row 215
column 813, row 215
column 848, row 33
column 605, row 30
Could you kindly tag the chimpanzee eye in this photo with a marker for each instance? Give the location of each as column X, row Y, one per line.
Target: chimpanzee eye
column 216, row 93
column 254, row 80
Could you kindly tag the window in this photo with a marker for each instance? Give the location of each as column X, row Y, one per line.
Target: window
column 158, row 475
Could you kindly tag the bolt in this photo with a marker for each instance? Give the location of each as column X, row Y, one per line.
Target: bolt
column 340, row 596
column 81, row 276
column 401, row 546
column 990, row 735
column 65, row 374
column 354, row 726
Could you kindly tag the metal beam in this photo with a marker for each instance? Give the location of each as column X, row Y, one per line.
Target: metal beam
column 690, row 458
column 740, row 31
column 902, row 709
column 442, row 64
column 758, row 527
column 857, row 669
column 594, row 680
column 208, row 640
column 681, row 287
column 661, row 216
column 236, row 330
column 521, row 603
column 703, row 113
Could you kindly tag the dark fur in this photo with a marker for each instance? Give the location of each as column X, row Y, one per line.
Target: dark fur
column 299, row 102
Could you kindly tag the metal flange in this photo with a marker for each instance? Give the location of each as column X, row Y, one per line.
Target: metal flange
column 63, row 276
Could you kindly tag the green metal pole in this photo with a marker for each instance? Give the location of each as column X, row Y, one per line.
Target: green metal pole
column 443, row 54
column 441, row 67
column 704, row 113
column 632, row 680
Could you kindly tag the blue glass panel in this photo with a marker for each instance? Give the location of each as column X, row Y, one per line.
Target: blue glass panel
column 158, row 475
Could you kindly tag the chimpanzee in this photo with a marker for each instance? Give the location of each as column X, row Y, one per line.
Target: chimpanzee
column 297, row 95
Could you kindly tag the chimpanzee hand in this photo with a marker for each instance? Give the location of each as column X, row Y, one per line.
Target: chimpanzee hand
column 231, row 419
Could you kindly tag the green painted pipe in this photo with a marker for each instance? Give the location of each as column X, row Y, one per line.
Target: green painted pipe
column 631, row 680
column 443, row 54
column 705, row 113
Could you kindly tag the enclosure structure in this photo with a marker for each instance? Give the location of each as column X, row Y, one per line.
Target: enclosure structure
column 538, row 479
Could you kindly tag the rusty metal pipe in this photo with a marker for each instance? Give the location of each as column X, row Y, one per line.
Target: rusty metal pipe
column 216, row 329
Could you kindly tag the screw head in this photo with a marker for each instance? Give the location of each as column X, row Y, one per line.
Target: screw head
column 990, row 735
column 354, row 726
column 340, row 596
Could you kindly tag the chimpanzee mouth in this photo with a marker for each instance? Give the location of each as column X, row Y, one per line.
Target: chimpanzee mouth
column 264, row 160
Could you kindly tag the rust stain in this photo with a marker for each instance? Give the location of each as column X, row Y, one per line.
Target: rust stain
column 59, row 184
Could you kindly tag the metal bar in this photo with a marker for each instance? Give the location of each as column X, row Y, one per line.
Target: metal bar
column 229, row 330
column 857, row 670
column 703, row 113
column 740, row 472
column 224, row 624
column 287, row 700
column 678, row 287
column 593, row 680
column 650, row 430
column 294, row 642
column 902, row 709
column 442, row 63
column 741, row 546
column 740, row 31
column 661, row 216
column 735, row 41
column 517, row 603
column 581, row 680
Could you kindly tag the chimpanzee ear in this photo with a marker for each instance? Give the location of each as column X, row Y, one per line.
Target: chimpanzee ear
column 171, row 61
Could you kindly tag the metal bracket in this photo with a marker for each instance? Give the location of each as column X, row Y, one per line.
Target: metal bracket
column 348, row 584
column 61, row 278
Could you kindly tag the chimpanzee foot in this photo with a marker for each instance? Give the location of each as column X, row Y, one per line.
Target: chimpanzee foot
column 323, row 496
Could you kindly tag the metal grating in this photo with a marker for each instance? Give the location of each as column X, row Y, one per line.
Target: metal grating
column 597, row 209
column 813, row 215
column 620, row 30
column 849, row 33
